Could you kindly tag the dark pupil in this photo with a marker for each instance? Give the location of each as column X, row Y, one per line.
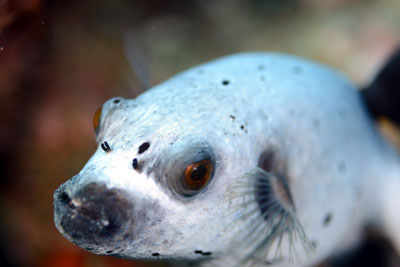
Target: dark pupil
column 198, row 173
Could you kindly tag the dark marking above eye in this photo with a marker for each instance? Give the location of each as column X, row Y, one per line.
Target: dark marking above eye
column 232, row 117
column 155, row 254
column 116, row 101
column 328, row 219
column 135, row 163
column 143, row 147
column 105, row 146
column 225, row 82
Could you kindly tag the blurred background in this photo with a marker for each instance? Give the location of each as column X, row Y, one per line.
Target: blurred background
column 60, row 60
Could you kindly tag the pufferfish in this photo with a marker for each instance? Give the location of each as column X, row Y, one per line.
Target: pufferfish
column 252, row 159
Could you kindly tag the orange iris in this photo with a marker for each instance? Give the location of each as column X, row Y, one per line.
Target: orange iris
column 198, row 174
column 96, row 118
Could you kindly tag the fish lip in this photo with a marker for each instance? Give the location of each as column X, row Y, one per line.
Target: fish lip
column 93, row 216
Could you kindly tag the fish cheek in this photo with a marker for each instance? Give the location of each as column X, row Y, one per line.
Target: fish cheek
column 146, row 231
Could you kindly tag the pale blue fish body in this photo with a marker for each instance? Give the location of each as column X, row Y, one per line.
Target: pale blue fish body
column 308, row 118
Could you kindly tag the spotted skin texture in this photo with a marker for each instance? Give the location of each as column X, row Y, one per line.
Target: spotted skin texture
column 240, row 111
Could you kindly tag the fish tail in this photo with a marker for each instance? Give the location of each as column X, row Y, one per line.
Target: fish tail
column 382, row 95
column 382, row 98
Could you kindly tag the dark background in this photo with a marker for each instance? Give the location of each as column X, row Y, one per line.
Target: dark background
column 60, row 60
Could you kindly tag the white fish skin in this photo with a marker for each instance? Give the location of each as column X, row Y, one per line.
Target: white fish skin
column 341, row 174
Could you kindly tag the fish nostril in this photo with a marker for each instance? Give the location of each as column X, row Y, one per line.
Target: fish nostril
column 66, row 200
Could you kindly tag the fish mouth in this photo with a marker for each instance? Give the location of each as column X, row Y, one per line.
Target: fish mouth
column 94, row 217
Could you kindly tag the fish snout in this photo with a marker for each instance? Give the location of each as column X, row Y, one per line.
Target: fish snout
column 93, row 217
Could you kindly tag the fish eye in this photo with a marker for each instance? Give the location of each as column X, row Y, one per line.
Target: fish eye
column 96, row 118
column 197, row 175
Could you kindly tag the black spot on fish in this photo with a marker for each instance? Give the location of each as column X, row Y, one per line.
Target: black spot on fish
column 105, row 146
column 155, row 254
column 143, row 147
column 316, row 123
column 314, row 244
column 341, row 167
column 297, row 69
column 109, row 252
column 225, row 82
column 135, row 164
column 328, row 219
column 208, row 253
column 342, row 113
column 116, row 101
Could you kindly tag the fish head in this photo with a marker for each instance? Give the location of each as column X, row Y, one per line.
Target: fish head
column 155, row 188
